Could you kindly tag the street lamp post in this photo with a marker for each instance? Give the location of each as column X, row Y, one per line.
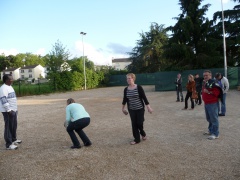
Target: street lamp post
column 84, row 66
column 224, row 43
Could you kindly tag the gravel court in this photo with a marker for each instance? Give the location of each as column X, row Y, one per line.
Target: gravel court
column 175, row 148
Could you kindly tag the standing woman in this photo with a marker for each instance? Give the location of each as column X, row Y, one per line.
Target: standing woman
column 135, row 98
column 191, row 86
column 77, row 118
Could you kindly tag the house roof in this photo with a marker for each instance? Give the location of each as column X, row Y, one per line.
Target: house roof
column 122, row 60
column 10, row 69
column 29, row 67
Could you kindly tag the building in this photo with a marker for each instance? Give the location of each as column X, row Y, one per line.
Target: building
column 13, row 71
column 121, row 63
column 32, row 72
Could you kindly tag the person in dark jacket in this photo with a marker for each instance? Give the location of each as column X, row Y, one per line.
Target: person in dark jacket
column 178, row 83
column 135, row 98
column 198, row 81
column 190, row 88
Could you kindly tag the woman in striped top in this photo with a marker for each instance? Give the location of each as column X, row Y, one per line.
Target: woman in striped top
column 135, row 98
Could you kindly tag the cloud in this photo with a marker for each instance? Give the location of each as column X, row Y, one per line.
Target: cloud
column 119, row 49
column 41, row 52
column 9, row 52
column 100, row 56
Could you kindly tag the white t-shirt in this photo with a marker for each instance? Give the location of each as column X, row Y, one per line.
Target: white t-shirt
column 8, row 99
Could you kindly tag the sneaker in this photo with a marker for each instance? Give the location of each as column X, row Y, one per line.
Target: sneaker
column 12, row 147
column 18, row 141
column 212, row 137
column 75, row 147
column 221, row 114
column 144, row 137
column 207, row 133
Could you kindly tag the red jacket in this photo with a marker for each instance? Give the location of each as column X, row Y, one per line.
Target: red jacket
column 211, row 98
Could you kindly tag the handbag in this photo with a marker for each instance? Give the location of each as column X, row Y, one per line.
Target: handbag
column 194, row 94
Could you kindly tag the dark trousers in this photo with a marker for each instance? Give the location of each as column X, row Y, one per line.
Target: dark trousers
column 78, row 126
column 10, row 131
column 189, row 95
column 199, row 100
column 137, row 118
column 179, row 94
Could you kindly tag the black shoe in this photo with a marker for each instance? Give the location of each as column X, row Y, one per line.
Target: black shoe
column 221, row 114
column 181, row 100
column 88, row 144
column 75, row 147
column 177, row 101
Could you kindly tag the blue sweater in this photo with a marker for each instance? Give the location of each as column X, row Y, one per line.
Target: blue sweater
column 75, row 112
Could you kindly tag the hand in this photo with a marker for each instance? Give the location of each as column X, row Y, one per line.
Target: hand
column 205, row 91
column 65, row 124
column 150, row 110
column 125, row 112
column 11, row 113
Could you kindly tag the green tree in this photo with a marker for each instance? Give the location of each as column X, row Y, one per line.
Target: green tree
column 190, row 45
column 232, row 29
column 147, row 54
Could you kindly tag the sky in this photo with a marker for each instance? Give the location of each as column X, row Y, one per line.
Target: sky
column 112, row 26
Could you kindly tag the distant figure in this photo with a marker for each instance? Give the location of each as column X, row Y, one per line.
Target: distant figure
column 77, row 118
column 8, row 107
column 178, row 83
column 135, row 98
column 224, row 84
column 190, row 88
column 198, row 80
column 211, row 92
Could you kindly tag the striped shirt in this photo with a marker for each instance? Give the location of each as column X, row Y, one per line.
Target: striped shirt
column 134, row 100
column 8, row 99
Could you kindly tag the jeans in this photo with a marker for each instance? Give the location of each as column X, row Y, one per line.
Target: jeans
column 222, row 105
column 137, row 119
column 189, row 95
column 78, row 127
column 179, row 93
column 211, row 111
column 10, row 131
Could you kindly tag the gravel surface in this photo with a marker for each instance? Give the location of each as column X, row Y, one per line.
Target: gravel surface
column 175, row 149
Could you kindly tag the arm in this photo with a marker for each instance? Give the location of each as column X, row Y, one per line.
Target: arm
column 226, row 85
column 4, row 101
column 124, row 102
column 123, row 110
column 143, row 96
column 68, row 115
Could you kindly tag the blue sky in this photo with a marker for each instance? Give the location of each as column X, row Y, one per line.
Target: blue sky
column 112, row 27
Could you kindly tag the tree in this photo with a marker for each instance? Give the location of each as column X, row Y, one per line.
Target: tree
column 232, row 28
column 190, row 45
column 57, row 57
column 147, row 54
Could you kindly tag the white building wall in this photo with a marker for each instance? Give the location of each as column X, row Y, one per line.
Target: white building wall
column 120, row 65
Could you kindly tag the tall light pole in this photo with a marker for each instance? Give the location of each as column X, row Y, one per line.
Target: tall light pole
column 84, row 66
column 224, row 43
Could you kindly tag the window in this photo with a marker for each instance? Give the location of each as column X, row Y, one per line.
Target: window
column 30, row 76
column 30, row 70
column 22, row 70
column 22, row 76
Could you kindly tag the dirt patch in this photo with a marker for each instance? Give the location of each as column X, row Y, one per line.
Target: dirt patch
column 175, row 149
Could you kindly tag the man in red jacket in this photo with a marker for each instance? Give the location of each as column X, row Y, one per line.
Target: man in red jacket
column 211, row 93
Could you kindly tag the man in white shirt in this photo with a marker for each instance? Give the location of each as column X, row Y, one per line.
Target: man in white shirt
column 224, row 84
column 8, row 107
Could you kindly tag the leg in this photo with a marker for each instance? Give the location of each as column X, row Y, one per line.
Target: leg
column 82, row 123
column 7, row 129
column 70, row 129
column 186, row 100
column 140, row 120
column 192, row 102
column 206, row 107
column 181, row 94
column 177, row 91
column 135, row 131
column 199, row 98
column 223, row 104
column 213, row 114
column 14, row 126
